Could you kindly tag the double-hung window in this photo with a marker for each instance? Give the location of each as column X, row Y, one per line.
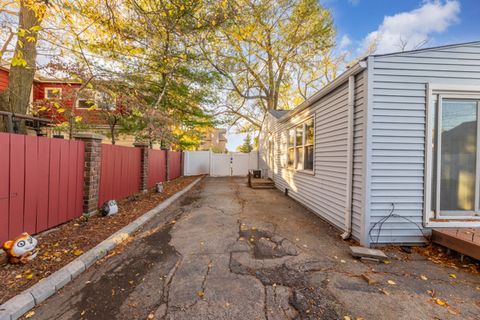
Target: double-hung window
column 53, row 93
column 300, row 153
column 291, row 148
column 455, row 187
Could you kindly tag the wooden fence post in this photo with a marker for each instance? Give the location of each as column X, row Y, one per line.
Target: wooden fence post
column 91, row 177
column 144, row 165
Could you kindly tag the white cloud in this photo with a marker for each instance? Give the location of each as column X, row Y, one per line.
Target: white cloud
column 345, row 42
column 413, row 27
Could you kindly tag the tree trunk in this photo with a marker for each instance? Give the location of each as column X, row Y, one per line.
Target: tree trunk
column 112, row 132
column 23, row 66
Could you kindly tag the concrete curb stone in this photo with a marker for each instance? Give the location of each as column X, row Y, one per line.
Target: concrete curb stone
column 39, row 292
column 42, row 290
column 60, row 278
column 17, row 306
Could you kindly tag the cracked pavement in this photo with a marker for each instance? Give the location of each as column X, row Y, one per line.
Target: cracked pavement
column 224, row 251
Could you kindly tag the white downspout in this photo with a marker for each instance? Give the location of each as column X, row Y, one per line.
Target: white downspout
column 350, row 147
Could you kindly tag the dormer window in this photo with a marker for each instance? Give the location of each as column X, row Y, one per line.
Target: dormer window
column 53, row 93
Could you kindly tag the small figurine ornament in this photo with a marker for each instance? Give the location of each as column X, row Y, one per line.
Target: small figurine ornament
column 109, row 208
column 159, row 187
column 22, row 249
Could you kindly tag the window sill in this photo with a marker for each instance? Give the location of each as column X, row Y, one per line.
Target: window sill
column 309, row 172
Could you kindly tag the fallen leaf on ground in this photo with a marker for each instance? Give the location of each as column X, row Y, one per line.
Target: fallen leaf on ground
column 201, row 294
column 343, row 261
column 386, row 262
column 391, row 282
column 440, row 302
column 30, row 276
column 452, row 275
column 347, row 318
column 77, row 252
column 385, row 292
column 30, row 314
column 18, row 276
column 151, row 316
column 452, row 311
column 423, row 278
column 368, row 279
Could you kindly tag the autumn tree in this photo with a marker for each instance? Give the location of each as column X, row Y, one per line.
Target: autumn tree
column 246, row 146
column 152, row 46
column 22, row 70
column 265, row 49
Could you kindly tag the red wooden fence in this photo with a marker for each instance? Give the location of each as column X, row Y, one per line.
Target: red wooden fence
column 174, row 165
column 41, row 183
column 156, row 167
column 119, row 172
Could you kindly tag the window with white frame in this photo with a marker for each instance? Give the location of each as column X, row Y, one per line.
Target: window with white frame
column 300, row 153
column 53, row 93
column 291, row 148
column 455, row 186
column 88, row 99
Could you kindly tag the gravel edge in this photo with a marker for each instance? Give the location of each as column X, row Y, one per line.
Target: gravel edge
column 39, row 292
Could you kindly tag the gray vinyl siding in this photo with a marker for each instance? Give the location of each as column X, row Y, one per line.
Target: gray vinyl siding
column 358, row 154
column 325, row 192
column 397, row 117
column 263, row 141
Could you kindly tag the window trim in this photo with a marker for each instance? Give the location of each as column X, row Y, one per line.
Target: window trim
column 436, row 92
column 77, row 103
column 95, row 101
column 46, row 89
column 294, row 147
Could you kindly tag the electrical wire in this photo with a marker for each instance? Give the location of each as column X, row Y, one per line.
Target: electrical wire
column 384, row 219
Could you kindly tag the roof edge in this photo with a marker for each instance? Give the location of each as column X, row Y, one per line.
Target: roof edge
column 429, row 48
column 355, row 69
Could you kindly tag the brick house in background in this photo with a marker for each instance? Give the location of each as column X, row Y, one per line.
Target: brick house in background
column 215, row 140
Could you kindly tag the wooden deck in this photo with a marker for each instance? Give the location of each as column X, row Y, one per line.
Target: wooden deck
column 463, row 240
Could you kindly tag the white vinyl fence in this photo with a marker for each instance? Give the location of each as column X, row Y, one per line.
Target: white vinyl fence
column 219, row 164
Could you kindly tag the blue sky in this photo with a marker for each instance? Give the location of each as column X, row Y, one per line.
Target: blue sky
column 359, row 21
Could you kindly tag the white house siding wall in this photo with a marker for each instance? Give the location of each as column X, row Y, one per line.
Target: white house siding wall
column 358, row 154
column 397, row 114
column 263, row 137
column 325, row 192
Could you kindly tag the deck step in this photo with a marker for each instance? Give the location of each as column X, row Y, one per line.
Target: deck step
column 256, row 183
column 463, row 240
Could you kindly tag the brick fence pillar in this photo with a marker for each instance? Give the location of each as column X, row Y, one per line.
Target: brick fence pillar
column 167, row 165
column 144, row 165
column 91, row 177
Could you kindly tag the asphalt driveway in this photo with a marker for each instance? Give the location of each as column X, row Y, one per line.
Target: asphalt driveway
column 224, row 251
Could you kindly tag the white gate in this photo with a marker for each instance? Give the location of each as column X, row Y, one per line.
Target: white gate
column 219, row 164
column 240, row 164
